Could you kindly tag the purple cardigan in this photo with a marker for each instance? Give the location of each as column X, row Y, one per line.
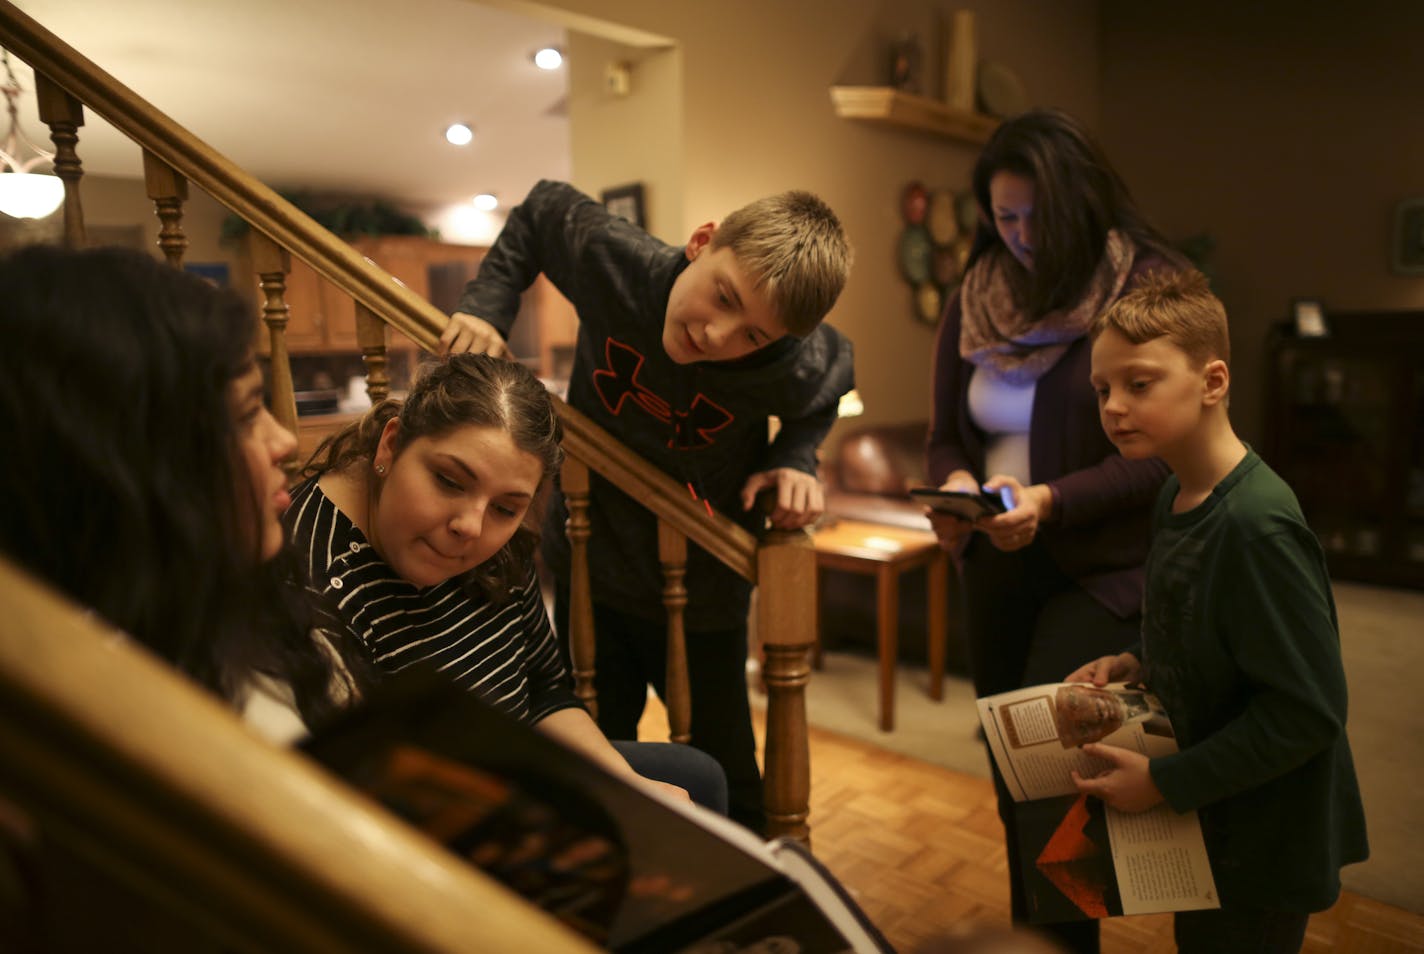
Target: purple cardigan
column 1099, row 534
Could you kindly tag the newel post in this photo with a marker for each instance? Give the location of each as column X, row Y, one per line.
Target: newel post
column 786, row 625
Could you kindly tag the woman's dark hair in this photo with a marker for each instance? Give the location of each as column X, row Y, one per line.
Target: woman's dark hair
column 1078, row 199
column 463, row 390
column 124, row 475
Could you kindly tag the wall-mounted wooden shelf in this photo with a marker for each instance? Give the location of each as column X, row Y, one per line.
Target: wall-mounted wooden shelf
column 889, row 106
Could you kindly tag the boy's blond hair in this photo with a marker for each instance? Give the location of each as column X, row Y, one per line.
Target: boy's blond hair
column 1171, row 304
column 793, row 247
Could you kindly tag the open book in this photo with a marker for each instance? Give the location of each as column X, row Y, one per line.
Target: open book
column 1081, row 859
column 626, row 869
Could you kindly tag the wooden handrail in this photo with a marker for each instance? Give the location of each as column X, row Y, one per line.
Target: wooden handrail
column 147, row 777
column 346, row 268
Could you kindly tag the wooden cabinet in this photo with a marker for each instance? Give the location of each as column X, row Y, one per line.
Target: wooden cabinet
column 323, row 318
column 1346, row 431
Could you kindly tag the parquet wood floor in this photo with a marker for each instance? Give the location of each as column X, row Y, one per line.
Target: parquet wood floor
column 921, row 849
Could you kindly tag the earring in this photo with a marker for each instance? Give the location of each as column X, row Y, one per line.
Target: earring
column 380, row 470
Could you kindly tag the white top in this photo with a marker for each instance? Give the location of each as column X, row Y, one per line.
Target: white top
column 1003, row 412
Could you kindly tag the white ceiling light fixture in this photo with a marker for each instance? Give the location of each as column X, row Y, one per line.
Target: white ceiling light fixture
column 459, row 134
column 549, row 58
column 486, row 202
column 24, row 194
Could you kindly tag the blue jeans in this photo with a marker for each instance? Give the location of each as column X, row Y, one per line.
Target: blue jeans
column 680, row 765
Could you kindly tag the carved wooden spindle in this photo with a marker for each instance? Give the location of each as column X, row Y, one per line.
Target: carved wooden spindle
column 64, row 114
column 371, row 336
column 574, row 482
column 786, row 597
column 672, row 553
column 272, row 263
column 169, row 190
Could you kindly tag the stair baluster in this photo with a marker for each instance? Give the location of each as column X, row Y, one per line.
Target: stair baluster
column 64, row 114
column 672, row 553
column 168, row 190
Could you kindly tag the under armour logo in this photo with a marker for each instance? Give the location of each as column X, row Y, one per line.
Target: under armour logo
column 617, row 384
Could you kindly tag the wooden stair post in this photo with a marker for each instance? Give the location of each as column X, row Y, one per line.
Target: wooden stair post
column 272, row 263
column 169, row 191
column 672, row 553
column 786, row 626
column 64, row 114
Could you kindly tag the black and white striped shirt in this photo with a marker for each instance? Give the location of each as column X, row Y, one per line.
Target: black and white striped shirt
column 507, row 654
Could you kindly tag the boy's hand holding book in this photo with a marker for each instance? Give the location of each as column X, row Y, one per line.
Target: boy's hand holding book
column 1126, row 786
column 1124, row 667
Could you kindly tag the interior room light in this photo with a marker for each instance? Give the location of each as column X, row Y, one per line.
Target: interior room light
column 850, row 405
column 459, row 134
column 549, row 58
column 486, row 202
column 24, row 194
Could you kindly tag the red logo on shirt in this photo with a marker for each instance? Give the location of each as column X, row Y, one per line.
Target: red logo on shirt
column 617, row 384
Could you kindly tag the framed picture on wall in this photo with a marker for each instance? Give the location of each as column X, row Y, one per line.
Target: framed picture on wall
column 626, row 201
column 1407, row 256
column 1309, row 318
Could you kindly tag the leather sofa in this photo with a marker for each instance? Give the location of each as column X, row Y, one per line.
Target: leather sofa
column 867, row 477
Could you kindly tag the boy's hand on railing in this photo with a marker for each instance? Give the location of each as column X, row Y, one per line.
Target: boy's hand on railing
column 799, row 498
column 466, row 333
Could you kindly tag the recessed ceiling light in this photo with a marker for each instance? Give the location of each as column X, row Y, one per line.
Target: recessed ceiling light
column 549, row 58
column 486, row 202
column 459, row 134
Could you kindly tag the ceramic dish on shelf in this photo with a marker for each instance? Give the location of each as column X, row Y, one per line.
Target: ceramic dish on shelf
column 1001, row 92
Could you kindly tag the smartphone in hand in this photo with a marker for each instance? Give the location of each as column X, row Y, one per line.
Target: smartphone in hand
column 966, row 505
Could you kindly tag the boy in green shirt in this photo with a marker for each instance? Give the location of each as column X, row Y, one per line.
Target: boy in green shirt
column 1239, row 635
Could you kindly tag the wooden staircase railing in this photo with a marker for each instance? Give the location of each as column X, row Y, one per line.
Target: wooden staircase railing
column 782, row 565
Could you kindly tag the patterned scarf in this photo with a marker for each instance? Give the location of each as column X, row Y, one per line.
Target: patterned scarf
column 997, row 336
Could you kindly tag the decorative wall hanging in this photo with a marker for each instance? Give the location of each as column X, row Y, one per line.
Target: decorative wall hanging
column 934, row 244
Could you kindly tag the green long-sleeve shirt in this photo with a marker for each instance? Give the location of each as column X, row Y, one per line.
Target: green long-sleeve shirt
column 1240, row 642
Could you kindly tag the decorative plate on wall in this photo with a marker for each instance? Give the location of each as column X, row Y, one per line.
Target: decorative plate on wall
column 928, row 301
column 967, row 208
column 916, row 250
column 912, row 203
column 942, row 220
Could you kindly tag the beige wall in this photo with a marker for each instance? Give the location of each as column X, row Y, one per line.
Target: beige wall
column 756, row 118
column 1289, row 131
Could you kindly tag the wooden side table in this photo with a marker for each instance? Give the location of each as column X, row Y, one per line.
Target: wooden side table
column 886, row 552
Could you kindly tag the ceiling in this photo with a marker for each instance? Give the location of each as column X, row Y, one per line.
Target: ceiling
column 332, row 95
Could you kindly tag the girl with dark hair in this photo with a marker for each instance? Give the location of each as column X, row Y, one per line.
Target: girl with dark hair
column 151, row 487
column 1061, row 573
column 413, row 525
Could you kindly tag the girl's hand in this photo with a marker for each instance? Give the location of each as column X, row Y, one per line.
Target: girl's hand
column 1127, row 785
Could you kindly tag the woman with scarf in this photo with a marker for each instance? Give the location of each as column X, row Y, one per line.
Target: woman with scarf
column 1060, row 574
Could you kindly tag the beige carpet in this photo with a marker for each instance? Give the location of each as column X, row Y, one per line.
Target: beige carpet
column 1382, row 635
